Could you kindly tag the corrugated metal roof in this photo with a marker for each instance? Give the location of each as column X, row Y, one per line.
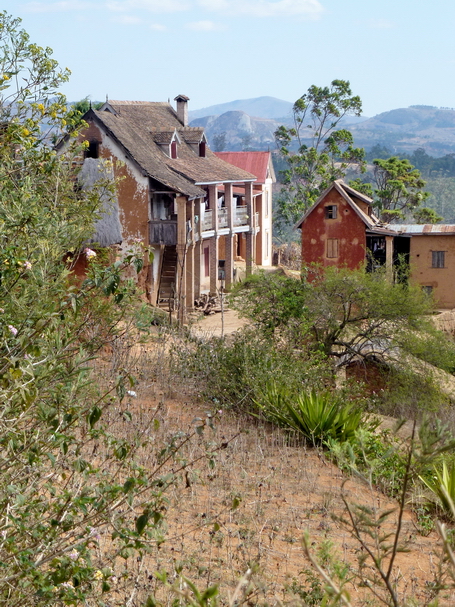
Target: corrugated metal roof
column 253, row 162
column 426, row 228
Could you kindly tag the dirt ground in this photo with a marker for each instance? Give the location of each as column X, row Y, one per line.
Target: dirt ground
column 215, row 324
column 284, row 490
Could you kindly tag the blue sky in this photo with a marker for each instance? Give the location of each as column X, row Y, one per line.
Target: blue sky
column 395, row 53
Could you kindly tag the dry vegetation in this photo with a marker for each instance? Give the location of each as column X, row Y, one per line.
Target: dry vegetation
column 283, row 490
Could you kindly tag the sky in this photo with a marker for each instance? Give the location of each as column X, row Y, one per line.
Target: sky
column 395, row 53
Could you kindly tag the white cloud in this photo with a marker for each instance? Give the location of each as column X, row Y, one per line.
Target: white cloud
column 155, row 6
column 202, row 26
column 266, row 8
column 157, row 27
column 56, row 7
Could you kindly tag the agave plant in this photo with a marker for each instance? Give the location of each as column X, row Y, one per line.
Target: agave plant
column 316, row 415
column 442, row 485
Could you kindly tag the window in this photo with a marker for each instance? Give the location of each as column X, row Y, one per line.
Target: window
column 332, row 248
column 93, row 149
column 202, row 149
column 174, row 149
column 438, row 259
column 331, row 211
column 427, row 289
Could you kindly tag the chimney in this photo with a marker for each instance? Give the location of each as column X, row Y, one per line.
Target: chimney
column 182, row 108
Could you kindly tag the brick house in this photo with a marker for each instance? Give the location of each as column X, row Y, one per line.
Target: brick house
column 341, row 230
column 174, row 194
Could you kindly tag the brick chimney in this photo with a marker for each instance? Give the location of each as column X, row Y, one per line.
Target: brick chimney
column 182, row 108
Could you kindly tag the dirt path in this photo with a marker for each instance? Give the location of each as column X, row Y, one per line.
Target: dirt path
column 209, row 326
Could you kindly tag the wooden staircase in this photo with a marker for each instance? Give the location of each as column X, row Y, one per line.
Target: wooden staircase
column 168, row 280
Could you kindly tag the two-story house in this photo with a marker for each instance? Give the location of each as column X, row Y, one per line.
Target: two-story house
column 174, row 194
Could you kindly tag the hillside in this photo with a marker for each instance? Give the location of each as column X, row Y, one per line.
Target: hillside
column 402, row 130
column 262, row 107
column 241, row 130
column 406, row 129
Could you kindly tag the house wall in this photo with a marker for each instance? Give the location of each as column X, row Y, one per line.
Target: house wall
column 440, row 279
column 132, row 194
column 347, row 229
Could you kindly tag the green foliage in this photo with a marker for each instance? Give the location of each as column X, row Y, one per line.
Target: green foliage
column 442, row 485
column 233, row 372
column 320, row 417
column 316, row 152
column 340, row 313
column 398, row 188
column 378, row 456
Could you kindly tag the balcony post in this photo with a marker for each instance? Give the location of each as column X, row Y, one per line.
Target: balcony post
column 181, row 258
column 190, row 254
column 229, row 238
column 250, row 235
column 213, row 205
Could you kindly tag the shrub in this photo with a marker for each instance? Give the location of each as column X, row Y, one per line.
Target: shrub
column 234, row 371
column 318, row 416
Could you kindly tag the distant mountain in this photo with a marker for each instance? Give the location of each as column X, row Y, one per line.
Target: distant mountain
column 240, row 130
column 406, row 129
column 260, row 107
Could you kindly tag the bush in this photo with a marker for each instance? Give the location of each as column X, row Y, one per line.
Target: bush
column 318, row 416
column 234, row 371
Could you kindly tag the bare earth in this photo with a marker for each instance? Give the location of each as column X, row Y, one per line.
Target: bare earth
column 285, row 490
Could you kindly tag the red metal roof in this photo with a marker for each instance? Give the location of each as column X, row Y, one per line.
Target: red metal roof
column 253, row 162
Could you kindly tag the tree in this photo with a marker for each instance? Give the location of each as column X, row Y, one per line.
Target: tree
column 66, row 475
column 341, row 314
column 316, row 151
column 397, row 190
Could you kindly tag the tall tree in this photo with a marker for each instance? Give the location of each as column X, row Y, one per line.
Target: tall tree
column 315, row 150
column 397, row 190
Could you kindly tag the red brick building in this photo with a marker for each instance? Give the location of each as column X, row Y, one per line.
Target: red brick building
column 341, row 230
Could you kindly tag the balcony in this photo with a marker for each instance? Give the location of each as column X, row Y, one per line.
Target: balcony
column 207, row 220
column 240, row 216
column 222, row 218
column 163, row 232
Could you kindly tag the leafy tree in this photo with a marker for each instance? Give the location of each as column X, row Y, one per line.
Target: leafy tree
column 342, row 314
column 66, row 476
column 397, row 189
column 316, row 151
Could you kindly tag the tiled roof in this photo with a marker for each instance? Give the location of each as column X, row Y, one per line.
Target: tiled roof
column 253, row 162
column 135, row 124
column 192, row 134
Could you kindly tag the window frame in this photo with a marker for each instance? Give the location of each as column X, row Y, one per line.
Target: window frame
column 331, row 211
column 438, row 259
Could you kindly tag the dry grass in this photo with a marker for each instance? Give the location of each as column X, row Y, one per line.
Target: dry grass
column 285, row 490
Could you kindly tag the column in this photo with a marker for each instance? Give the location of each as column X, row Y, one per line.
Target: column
column 250, row 235
column 213, row 204
column 389, row 257
column 213, row 264
column 181, row 255
column 229, row 239
column 190, row 254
